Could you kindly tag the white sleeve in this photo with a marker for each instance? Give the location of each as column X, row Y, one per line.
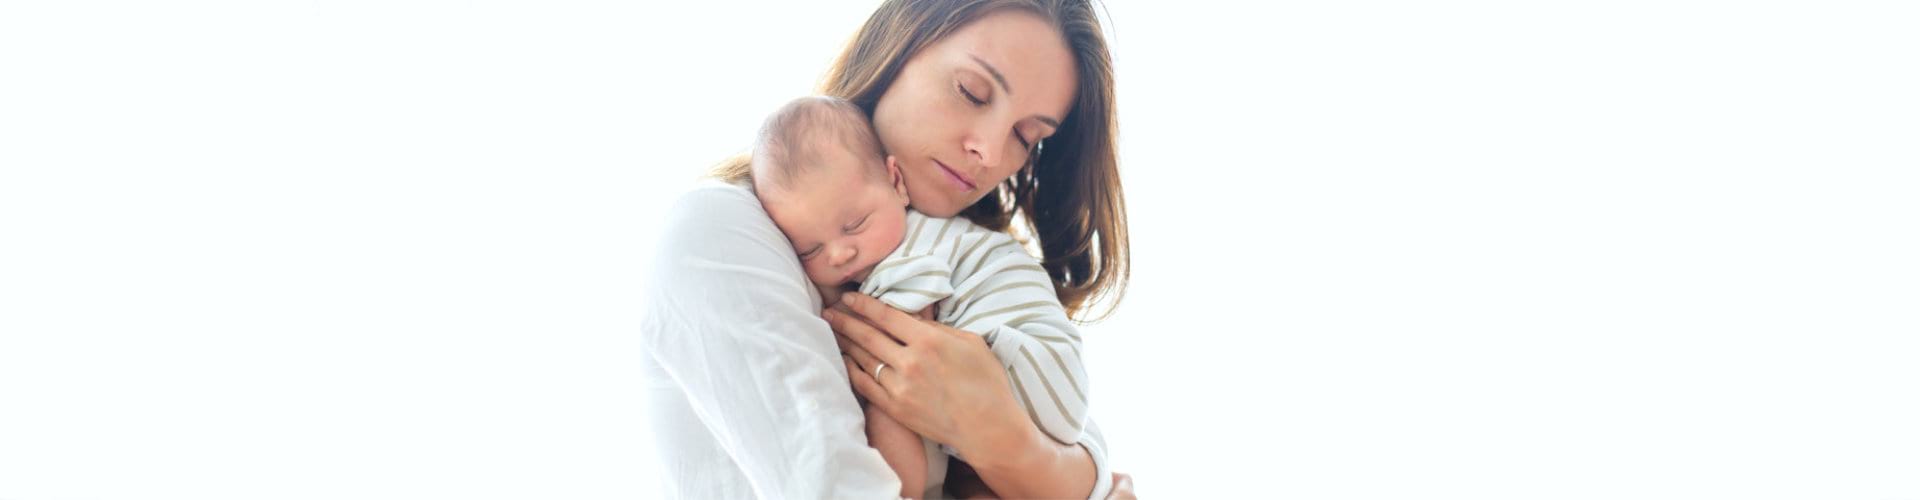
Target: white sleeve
column 733, row 322
column 1096, row 445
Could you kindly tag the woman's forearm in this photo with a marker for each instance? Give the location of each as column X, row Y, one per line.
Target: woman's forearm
column 1032, row 465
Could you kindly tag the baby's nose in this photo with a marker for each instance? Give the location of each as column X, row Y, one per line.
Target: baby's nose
column 844, row 254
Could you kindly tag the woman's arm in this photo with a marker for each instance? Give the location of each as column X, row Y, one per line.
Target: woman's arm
column 947, row 385
column 729, row 321
column 964, row 483
column 1035, row 466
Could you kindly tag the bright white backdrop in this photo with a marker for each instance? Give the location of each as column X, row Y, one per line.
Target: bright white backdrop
column 392, row 249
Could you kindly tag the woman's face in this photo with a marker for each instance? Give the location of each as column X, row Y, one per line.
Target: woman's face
column 965, row 111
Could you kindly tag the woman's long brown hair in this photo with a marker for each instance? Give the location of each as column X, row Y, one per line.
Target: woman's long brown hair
column 1069, row 195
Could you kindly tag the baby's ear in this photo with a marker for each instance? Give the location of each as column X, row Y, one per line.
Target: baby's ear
column 893, row 173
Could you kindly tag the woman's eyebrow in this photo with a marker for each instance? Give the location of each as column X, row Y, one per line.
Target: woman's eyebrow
column 995, row 72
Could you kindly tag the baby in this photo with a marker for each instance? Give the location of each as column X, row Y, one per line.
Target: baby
column 819, row 170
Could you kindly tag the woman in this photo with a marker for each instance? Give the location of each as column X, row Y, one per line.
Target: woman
column 994, row 109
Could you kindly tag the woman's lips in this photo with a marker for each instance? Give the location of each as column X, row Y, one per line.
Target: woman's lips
column 959, row 181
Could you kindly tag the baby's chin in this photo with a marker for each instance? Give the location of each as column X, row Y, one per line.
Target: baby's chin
column 851, row 282
column 843, row 286
column 830, row 294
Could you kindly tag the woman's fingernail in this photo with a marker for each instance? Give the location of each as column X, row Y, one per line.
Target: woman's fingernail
column 827, row 315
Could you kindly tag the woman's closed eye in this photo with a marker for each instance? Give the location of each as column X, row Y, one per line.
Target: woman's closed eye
column 978, row 100
column 969, row 94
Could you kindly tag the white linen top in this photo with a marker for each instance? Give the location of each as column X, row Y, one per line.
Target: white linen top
column 747, row 395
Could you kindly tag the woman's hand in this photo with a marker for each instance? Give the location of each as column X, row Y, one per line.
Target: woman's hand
column 936, row 380
column 962, row 482
column 1122, row 487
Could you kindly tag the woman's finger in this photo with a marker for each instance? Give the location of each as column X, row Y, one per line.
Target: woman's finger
column 864, row 385
column 864, row 335
column 899, row 324
column 861, row 357
column 848, row 360
column 1122, row 487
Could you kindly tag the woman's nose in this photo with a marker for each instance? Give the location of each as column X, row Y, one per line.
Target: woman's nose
column 983, row 150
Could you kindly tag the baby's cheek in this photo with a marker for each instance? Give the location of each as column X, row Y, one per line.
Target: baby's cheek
column 895, row 230
column 816, row 272
column 884, row 244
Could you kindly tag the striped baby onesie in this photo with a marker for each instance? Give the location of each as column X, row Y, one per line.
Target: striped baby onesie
column 986, row 283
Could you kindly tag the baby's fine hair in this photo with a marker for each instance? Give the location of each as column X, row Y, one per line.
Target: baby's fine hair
column 791, row 141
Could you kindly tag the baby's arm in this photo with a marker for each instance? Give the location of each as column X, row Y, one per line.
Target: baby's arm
column 1010, row 300
column 1042, row 359
column 902, row 450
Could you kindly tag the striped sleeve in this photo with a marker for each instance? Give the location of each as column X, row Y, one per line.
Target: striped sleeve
column 1001, row 292
column 913, row 276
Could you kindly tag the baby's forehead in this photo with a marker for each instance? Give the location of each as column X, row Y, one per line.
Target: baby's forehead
column 834, row 167
column 830, row 155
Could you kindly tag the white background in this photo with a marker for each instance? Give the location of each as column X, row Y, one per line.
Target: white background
column 392, row 249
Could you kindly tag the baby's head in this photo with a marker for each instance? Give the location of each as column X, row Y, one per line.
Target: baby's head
column 819, row 170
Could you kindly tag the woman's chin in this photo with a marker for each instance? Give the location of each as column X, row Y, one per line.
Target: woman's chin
column 940, row 209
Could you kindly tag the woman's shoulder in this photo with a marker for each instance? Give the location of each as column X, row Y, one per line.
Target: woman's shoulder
column 697, row 211
column 727, row 198
column 721, row 265
column 717, row 229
